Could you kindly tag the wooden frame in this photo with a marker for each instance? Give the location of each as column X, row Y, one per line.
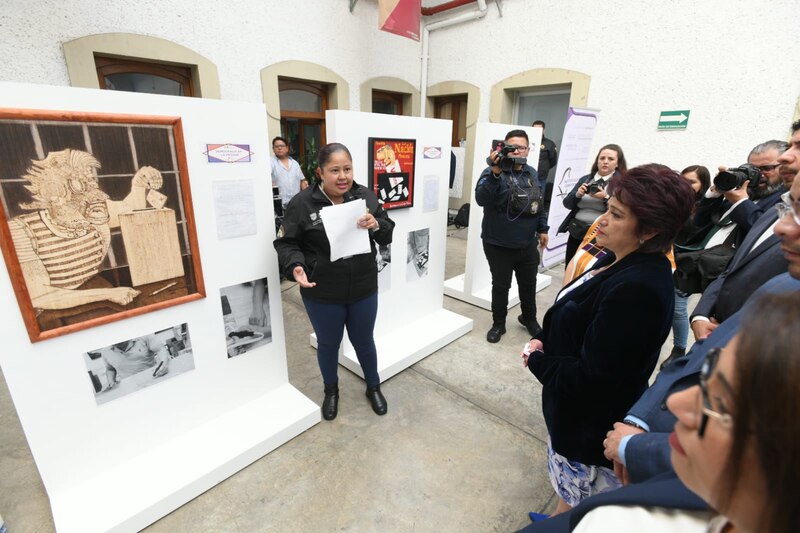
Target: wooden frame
column 391, row 171
column 106, row 66
column 96, row 217
column 395, row 99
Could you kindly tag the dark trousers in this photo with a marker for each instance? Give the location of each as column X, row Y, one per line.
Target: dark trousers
column 572, row 246
column 524, row 262
column 329, row 321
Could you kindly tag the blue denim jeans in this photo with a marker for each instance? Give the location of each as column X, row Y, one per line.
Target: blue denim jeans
column 329, row 321
column 680, row 320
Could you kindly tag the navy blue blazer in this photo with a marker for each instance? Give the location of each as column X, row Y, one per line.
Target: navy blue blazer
column 748, row 270
column 647, row 454
column 601, row 343
column 665, row 491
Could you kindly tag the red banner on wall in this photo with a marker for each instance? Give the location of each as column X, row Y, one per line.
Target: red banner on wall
column 400, row 17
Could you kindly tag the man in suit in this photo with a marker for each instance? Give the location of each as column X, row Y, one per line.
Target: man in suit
column 640, row 443
column 758, row 256
column 739, row 208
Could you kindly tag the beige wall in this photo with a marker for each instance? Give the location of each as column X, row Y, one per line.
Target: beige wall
column 338, row 94
column 395, row 85
column 447, row 88
column 79, row 56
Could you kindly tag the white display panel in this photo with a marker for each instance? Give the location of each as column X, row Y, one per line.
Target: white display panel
column 124, row 464
column 411, row 321
column 474, row 286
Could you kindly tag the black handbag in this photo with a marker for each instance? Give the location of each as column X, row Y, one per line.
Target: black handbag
column 577, row 229
column 696, row 269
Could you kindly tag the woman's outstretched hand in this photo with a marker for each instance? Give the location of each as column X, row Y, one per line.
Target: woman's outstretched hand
column 301, row 279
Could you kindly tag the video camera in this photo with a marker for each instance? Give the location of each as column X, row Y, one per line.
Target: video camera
column 505, row 162
column 734, row 178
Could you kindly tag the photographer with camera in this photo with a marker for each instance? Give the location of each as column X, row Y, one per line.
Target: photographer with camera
column 587, row 199
column 513, row 218
column 741, row 195
column 756, row 259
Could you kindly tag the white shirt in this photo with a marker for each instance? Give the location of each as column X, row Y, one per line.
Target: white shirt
column 630, row 519
column 287, row 180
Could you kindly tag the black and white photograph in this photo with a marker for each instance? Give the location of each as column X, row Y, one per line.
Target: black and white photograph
column 417, row 256
column 246, row 317
column 383, row 258
column 137, row 363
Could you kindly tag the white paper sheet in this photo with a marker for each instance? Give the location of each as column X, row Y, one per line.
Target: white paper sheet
column 430, row 194
column 235, row 208
column 342, row 230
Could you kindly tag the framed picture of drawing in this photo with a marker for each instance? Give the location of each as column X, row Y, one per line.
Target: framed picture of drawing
column 391, row 167
column 96, row 220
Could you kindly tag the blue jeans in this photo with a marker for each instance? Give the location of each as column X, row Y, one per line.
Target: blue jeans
column 329, row 321
column 680, row 320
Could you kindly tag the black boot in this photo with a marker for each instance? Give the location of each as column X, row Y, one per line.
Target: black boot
column 676, row 353
column 494, row 334
column 377, row 400
column 532, row 326
column 330, row 405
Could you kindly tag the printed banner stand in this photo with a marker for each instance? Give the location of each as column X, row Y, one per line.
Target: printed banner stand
column 474, row 286
column 411, row 323
column 573, row 158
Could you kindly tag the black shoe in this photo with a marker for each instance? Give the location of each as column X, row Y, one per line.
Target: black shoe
column 495, row 333
column 330, row 405
column 532, row 326
column 377, row 400
column 676, row 353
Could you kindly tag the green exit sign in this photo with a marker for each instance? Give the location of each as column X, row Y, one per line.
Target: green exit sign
column 673, row 120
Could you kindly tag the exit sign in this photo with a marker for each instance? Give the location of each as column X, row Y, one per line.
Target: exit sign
column 673, row 120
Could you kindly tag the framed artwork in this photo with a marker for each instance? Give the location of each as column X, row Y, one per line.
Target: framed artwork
column 391, row 167
column 96, row 219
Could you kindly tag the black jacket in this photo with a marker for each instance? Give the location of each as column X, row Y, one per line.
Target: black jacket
column 499, row 227
column 601, row 343
column 548, row 157
column 302, row 241
column 571, row 200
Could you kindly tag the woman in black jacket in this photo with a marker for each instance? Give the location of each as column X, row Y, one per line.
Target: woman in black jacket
column 341, row 293
column 601, row 338
column 587, row 199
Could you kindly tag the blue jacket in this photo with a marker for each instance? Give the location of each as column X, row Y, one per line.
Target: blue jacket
column 500, row 227
column 647, row 454
column 665, row 491
column 601, row 343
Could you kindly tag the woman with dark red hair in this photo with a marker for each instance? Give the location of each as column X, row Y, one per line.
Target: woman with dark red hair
column 601, row 338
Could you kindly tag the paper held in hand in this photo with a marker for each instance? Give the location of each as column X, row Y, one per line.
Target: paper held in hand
column 341, row 227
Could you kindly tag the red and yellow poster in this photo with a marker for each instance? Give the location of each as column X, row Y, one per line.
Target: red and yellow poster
column 400, row 17
column 392, row 171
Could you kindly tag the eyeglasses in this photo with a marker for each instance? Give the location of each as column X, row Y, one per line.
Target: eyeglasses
column 706, row 370
column 788, row 205
column 520, row 148
column 279, row 146
column 768, row 168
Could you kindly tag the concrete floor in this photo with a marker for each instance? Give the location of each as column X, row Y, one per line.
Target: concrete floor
column 462, row 447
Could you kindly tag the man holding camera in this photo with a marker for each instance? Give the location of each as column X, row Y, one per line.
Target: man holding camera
column 743, row 194
column 514, row 225
column 758, row 256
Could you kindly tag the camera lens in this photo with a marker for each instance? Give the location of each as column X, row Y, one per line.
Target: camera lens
column 726, row 181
